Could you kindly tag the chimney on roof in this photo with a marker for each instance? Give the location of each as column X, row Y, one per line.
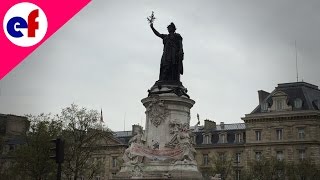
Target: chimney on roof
column 209, row 125
column 222, row 125
column 262, row 95
column 136, row 128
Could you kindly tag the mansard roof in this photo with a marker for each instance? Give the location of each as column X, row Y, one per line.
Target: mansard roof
column 227, row 127
column 122, row 133
column 123, row 136
column 308, row 93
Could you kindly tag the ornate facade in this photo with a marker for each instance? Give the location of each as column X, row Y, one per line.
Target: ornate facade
column 285, row 125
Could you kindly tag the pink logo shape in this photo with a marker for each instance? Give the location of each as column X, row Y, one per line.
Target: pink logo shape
column 58, row 12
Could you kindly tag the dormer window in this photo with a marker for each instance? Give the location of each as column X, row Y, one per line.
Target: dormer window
column 280, row 100
column 298, row 103
column 264, row 106
column 222, row 138
column 206, row 139
column 279, row 104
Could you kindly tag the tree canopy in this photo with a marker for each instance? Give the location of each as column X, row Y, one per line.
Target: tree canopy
column 78, row 126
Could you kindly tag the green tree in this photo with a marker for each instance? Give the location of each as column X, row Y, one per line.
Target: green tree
column 222, row 164
column 273, row 169
column 32, row 160
column 81, row 133
column 265, row 169
column 304, row 169
column 3, row 162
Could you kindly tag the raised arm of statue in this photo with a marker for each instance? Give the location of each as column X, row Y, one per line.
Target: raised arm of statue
column 156, row 32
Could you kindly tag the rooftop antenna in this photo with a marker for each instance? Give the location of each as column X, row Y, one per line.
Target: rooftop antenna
column 198, row 117
column 295, row 45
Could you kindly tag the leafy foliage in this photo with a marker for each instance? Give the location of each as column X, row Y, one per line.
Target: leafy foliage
column 32, row 160
column 81, row 132
column 265, row 169
column 303, row 170
column 273, row 169
column 222, row 164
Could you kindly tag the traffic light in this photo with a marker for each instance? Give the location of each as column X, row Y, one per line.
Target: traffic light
column 58, row 149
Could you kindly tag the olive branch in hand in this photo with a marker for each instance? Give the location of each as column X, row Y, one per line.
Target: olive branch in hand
column 151, row 18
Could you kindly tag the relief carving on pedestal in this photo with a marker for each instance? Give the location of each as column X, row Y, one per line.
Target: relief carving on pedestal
column 129, row 157
column 157, row 111
column 181, row 140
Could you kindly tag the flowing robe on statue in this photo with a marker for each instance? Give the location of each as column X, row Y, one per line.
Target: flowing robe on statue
column 171, row 62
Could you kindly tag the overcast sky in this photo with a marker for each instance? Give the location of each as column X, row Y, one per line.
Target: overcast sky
column 107, row 57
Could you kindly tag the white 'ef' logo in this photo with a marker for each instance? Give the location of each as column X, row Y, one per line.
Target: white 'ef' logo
column 25, row 24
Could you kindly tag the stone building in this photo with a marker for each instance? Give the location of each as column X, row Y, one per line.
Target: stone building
column 109, row 151
column 12, row 129
column 285, row 124
column 224, row 141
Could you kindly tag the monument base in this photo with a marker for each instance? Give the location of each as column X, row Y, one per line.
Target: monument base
column 159, row 170
column 165, row 149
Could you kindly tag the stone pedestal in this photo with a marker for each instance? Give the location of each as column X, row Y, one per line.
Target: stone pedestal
column 162, row 112
column 164, row 150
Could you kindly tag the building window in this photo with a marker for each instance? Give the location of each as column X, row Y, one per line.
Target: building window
column 114, row 161
column 301, row 133
column 238, row 155
column 279, row 134
column 279, row 104
column 258, row 135
column 238, row 137
column 302, row 154
column 279, row 155
column 207, row 139
column 205, row 159
column 222, row 156
column 194, row 139
column 222, row 138
column 298, row 103
column 238, row 174
column 258, row 156
column 264, row 106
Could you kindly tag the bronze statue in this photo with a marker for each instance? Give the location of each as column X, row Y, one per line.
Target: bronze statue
column 171, row 62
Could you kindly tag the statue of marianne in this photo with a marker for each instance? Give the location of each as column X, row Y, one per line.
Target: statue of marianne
column 171, row 61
